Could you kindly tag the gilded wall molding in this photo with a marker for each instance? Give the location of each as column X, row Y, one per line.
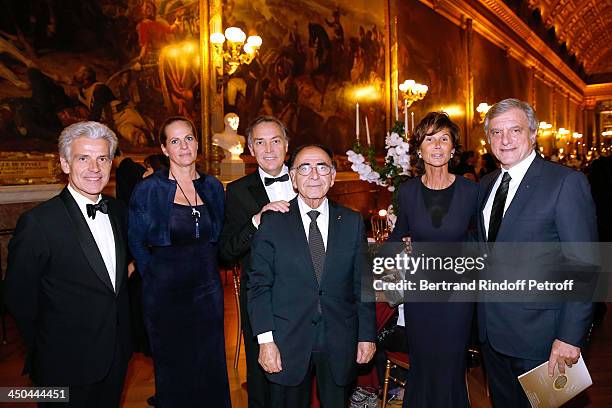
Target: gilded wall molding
column 514, row 36
column 598, row 92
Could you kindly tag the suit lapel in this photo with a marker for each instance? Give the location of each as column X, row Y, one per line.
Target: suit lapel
column 120, row 241
column 522, row 196
column 257, row 190
column 299, row 236
column 86, row 239
column 485, row 197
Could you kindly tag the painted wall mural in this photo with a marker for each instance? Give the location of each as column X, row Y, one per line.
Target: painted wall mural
column 315, row 55
column 128, row 63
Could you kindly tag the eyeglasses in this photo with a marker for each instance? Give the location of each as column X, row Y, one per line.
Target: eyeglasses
column 306, row 168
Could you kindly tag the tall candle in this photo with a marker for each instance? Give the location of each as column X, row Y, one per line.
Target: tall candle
column 406, row 117
column 357, row 121
column 412, row 117
column 367, row 130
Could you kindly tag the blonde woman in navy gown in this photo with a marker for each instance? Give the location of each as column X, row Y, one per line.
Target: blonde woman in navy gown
column 174, row 225
column 436, row 206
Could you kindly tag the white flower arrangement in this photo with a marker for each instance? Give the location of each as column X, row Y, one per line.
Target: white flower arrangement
column 394, row 171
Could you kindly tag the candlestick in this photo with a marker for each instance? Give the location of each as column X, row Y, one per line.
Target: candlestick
column 367, row 130
column 412, row 117
column 357, row 121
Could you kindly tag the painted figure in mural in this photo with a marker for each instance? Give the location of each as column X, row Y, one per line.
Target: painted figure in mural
column 44, row 113
column 229, row 137
column 281, row 97
column 152, row 33
column 104, row 107
column 319, row 40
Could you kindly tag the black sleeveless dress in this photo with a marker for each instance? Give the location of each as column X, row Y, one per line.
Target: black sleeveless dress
column 437, row 332
column 183, row 309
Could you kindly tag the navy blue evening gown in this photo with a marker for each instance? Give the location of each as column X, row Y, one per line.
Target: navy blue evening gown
column 183, row 310
column 437, row 333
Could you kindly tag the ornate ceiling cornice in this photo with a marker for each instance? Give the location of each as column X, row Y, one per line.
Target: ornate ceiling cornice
column 584, row 26
column 599, row 92
column 499, row 24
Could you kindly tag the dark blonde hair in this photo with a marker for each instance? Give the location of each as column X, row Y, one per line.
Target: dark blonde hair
column 163, row 137
column 432, row 123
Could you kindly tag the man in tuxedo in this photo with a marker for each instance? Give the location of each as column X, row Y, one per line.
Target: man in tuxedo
column 267, row 189
column 66, row 277
column 305, row 290
column 529, row 200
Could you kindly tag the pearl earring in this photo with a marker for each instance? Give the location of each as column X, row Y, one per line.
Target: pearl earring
column 419, row 154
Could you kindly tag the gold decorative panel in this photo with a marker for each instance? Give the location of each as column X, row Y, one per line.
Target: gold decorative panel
column 584, row 25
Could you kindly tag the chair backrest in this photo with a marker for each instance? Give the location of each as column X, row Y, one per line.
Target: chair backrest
column 380, row 227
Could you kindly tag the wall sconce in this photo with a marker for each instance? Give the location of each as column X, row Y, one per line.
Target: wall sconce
column 562, row 133
column 482, row 109
column 577, row 135
column 412, row 91
column 236, row 52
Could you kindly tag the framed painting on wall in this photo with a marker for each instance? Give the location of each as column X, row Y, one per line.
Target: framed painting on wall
column 317, row 60
column 126, row 63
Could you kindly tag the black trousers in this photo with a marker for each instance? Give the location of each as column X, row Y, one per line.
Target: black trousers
column 103, row 394
column 330, row 394
column 258, row 386
column 502, row 373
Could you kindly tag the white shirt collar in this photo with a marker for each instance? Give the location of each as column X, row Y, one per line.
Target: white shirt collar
column 323, row 208
column 517, row 172
column 263, row 174
column 81, row 200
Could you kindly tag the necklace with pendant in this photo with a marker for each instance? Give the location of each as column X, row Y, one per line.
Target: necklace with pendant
column 194, row 211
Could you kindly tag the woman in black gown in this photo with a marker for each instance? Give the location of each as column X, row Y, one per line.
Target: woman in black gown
column 175, row 221
column 436, row 207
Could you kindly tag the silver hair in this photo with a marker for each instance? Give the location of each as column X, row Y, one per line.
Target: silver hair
column 265, row 119
column 504, row 106
column 90, row 130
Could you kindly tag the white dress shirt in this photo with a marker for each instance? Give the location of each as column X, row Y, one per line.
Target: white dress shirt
column 277, row 191
column 517, row 172
column 323, row 224
column 102, row 232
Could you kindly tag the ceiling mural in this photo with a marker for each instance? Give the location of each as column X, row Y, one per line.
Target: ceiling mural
column 584, row 25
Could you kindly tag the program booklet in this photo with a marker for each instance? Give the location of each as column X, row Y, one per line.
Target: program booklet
column 552, row 392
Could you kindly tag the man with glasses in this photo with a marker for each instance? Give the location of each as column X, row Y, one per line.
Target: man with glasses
column 267, row 189
column 305, row 290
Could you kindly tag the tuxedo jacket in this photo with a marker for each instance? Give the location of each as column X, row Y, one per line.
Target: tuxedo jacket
column 59, row 291
column 284, row 295
column 553, row 203
column 244, row 198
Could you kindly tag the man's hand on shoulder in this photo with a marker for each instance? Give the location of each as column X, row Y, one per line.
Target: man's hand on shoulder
column 562, row 354
column 279, row 206
column 365, row 351
column 270, row 358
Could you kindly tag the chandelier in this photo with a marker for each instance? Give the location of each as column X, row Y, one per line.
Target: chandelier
column 412, row 91
column 236, row 51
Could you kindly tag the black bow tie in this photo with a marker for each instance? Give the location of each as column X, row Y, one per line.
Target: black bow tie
column 102, row 206
column 271, row 180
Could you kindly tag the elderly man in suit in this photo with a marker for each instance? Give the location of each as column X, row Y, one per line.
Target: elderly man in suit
column 529, row 200
column 305, row 290
column 66, row 281
column 267, row 189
